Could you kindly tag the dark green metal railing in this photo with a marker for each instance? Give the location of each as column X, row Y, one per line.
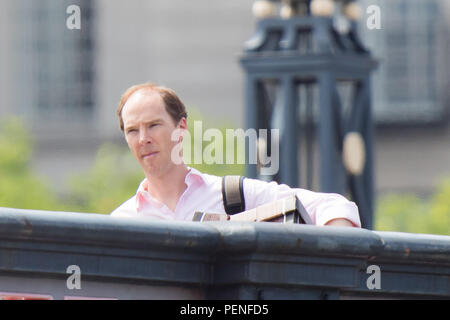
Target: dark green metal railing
column 142, row 259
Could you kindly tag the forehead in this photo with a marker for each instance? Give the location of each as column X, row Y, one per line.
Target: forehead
column 143, row 105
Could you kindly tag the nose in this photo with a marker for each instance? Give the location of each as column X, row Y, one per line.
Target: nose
column 144, row 136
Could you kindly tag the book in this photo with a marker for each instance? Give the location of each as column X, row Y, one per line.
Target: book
column 286, row 210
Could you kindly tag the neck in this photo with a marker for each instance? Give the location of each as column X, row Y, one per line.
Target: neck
column 168, row 187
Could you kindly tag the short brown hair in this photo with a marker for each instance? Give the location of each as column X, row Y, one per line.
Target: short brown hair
column 174, row 107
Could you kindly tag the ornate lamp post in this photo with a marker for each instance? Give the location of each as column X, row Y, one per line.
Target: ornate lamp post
column 290, row 56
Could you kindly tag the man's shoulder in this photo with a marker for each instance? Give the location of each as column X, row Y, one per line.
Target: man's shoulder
column 250, row 184
column 208, row 179
column 258, row 185
column 211, row 178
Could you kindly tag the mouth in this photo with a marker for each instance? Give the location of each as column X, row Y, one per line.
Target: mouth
column 149, row 154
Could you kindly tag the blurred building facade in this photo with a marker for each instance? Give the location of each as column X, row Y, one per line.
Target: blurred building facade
column 411, row 93
column 67, row 83
column 411, row 86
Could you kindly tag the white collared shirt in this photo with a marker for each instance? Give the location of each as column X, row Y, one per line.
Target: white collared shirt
column 204, row 193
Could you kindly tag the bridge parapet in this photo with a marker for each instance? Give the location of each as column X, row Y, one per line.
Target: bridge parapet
column 142, row 259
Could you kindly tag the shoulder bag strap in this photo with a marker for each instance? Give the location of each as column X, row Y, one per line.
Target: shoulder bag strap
column 233, row 194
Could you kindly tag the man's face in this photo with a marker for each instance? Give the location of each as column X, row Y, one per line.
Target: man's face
column 148, row 129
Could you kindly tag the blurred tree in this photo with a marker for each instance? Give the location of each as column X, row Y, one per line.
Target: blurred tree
column 439, row 219
column 19, row 187
column 218, row 169
column 111, row 180
column 408, row 213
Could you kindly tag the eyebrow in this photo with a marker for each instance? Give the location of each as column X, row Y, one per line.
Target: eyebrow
column 147, row 123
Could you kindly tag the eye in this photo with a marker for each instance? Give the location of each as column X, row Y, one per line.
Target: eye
column 131, row 131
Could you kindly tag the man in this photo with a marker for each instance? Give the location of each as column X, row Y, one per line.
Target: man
column 148, row 116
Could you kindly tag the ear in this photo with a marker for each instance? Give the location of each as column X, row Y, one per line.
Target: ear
column 182, row 124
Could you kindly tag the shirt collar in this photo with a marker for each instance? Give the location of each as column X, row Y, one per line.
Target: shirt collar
column 143, row 197
column 194, row 175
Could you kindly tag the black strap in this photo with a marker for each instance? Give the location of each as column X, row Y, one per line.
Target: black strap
column 233, row 194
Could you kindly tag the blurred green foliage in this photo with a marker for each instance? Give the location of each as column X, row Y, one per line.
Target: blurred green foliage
column 409, row 213
column 215, row 169
column 19, row 186
column 112, row 179
column 115, row 176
